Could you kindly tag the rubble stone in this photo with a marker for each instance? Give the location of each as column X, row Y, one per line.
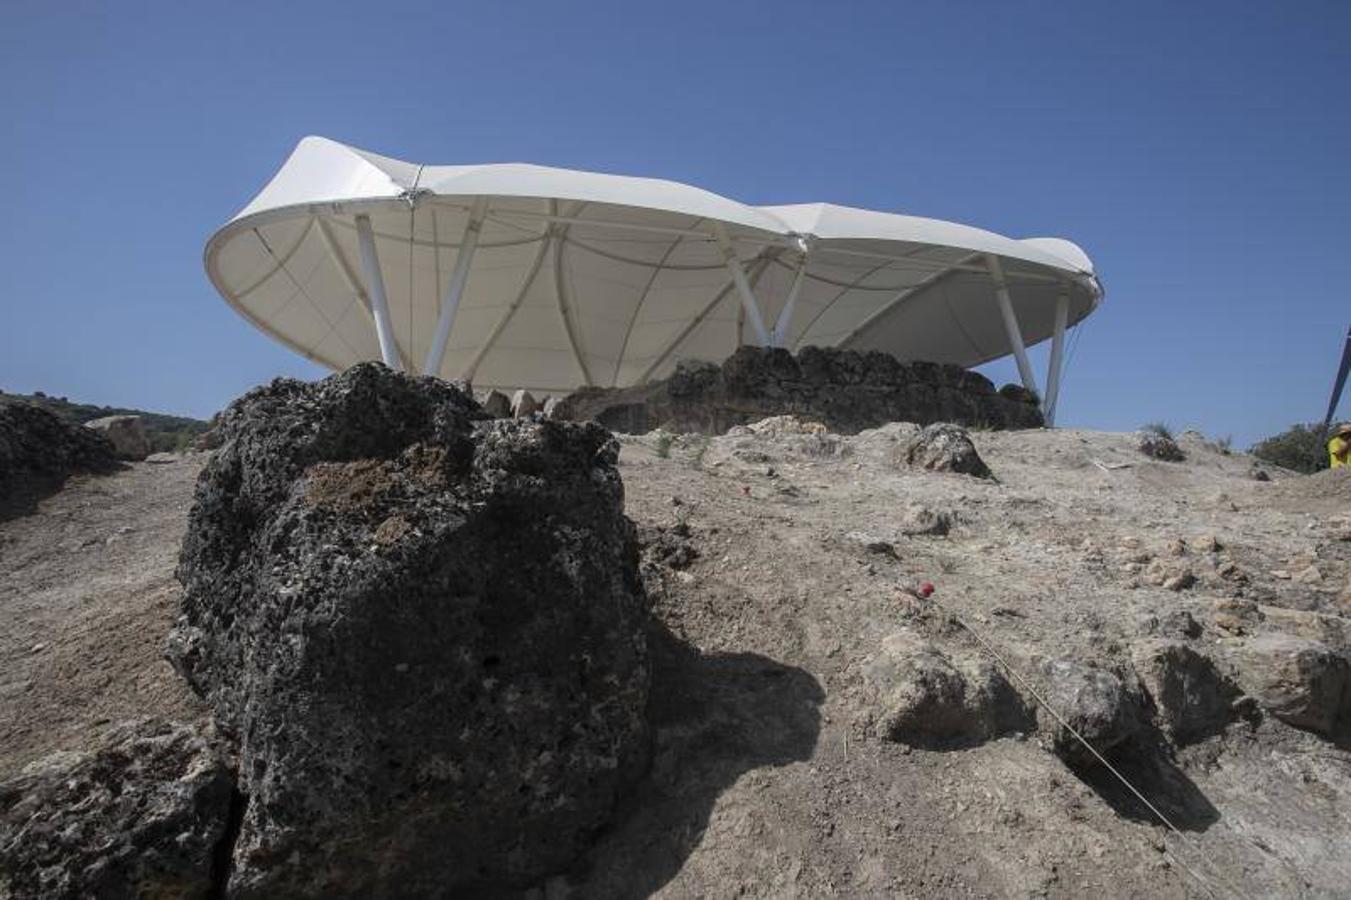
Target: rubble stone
column 426, row 632
column 942, row 447
column 844, row 390
column 127, row 434
column 140, row 816
column 1298, row 680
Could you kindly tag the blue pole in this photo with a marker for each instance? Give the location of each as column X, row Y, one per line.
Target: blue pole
column 1339, row 383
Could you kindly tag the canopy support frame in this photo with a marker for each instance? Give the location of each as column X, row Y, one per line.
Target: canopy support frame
column 1055, row 366
column 785, row 319
column 459, row 278
column 1015, row 334
column 375, row 290
column 758, row 268
column 743, row 287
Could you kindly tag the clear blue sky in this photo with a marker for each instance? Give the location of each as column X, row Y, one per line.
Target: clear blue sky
column 1199, row 151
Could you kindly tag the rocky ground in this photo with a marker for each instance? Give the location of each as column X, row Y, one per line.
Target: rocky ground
column 776, row 562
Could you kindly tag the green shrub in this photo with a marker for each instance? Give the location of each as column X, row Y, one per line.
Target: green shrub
column 1300, row 447
column 1161, row 429
column 662, row 446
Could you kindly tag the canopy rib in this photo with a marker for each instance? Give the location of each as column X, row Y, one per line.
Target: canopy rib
column 642, row 300
column 758, row 267
column 511, row 309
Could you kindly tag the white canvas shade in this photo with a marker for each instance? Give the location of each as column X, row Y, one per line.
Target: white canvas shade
column 523, row 276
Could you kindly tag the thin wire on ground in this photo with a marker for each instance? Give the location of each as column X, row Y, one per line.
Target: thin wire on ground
column 1041, row 701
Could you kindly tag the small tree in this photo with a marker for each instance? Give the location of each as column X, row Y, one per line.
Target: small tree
column 1301, row 448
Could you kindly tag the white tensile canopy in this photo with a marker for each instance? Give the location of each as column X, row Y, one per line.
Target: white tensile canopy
column 522, row 276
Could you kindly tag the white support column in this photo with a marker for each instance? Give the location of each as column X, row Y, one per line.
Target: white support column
column 743, row 286
column 459, row 277
column 1053, row 368
column 375, row 289
column 785, row 320
column 1001, row 293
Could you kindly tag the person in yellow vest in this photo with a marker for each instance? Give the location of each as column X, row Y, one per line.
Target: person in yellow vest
column 1339, row 446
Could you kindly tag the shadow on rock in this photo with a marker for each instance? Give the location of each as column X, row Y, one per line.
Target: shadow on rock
column 714, row 717
column 39, row 451
column 1146, row 762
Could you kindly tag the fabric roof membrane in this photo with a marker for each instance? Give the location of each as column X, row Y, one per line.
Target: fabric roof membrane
column 571, row 278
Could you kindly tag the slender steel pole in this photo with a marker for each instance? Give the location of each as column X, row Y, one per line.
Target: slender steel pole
column 743, row 286
column 459, row 277
column 1053, row 368
column 375, row 289
column 785, row 319
column 1001, row 293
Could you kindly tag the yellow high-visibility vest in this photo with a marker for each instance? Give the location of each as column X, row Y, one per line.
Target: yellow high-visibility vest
column 1339, row 449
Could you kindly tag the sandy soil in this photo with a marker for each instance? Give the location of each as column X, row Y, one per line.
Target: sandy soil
column 86, row 596
column 768, row 777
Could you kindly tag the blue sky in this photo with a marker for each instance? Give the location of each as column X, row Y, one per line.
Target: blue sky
column 1199, row 151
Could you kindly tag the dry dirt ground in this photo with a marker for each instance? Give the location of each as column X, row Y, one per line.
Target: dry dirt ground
column 768, row 776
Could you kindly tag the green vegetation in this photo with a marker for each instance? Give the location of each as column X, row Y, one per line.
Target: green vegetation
column 1300, row 447
column 166, row 433
column 1162, row 429
column 662, row 446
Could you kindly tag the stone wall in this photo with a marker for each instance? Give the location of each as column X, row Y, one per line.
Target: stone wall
column 845, row 390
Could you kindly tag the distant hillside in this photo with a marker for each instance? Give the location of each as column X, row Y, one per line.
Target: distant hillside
column 166, row 433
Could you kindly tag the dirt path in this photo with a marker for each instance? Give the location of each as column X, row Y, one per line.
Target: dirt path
column 86, row 596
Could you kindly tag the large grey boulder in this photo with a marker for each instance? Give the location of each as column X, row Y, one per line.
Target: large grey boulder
column 127, row 434
column 38, row 451
column 1299, row 681
column 141, row 816
column 1096, row 703
column 424, row 629
column 1191, row 697
column 942, row 447
column 927, row 698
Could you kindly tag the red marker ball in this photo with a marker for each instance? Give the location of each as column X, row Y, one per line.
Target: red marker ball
column 925, row 589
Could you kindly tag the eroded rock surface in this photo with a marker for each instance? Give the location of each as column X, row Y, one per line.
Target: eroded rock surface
column 1300, row 681
column 1096, row 703
column 127, row 434
column 942, row 447
column 497, row 405
column 38, row 451
column 1191, row 697
column 845, row 390
column 424, row 629
column 928, row 698
column 141, row 816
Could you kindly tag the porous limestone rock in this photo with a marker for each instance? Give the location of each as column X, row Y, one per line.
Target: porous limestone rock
column 38, row 451
column 497, row 405
column 1298, row 680
column 127, row 434
column 942, row 447
column 927, row 698
column 917, row 519
column 143, row 815
column 845, row 390
column 523, row 404
column 1191, row 697
column 1096, row 703
column 425, row 630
